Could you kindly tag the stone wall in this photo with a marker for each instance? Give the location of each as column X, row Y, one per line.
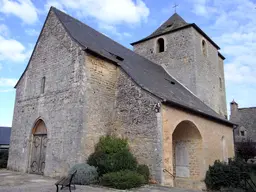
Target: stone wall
column 183, row 58
column 99, row 113
column 212, row 145
column 209, row 74
column 138, row 121
column 57, row 58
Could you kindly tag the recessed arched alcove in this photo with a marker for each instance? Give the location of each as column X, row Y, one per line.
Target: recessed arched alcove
column 187, row 146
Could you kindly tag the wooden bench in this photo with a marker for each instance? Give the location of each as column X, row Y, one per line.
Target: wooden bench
column 66, row 181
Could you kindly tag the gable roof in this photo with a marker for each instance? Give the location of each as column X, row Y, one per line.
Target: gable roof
column 148, row 75
column 5, row 134
column 175, row 23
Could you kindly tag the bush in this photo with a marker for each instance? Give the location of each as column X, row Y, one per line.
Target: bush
column 144, row 170
column 246, row 150
column 110, row 144
column 223, row 175
column 3, row 158
column 98, row 159
column 85, row 174
column 107, row 163
column 125, row 179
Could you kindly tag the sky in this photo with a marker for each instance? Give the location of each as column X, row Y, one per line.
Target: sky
column 231, row 24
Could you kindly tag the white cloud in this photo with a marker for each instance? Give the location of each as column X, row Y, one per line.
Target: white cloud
column 24, row 9
column 12, row 50
column 4, row 30
column 7, row 82
column 106, row 11
column 32, row 32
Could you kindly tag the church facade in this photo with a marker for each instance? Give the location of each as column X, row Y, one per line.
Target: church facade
column 80, row 85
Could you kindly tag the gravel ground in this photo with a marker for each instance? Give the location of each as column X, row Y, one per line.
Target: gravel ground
column 21, row 182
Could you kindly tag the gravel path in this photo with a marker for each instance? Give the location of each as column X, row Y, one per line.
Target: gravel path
column 22, row 182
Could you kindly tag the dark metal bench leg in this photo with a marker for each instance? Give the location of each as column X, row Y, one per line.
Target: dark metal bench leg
column 69, row 187
column 57, row 188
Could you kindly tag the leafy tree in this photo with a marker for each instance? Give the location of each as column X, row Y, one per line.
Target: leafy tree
column 246, row 150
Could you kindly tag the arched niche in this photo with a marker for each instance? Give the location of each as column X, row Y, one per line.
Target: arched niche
column 187, row 146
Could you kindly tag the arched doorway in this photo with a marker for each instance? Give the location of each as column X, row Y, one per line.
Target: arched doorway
column 187, row 146
column 39, row 144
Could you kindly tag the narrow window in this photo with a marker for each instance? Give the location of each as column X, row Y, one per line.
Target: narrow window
column 204, row 48
column 220, row 81
column 42, row 85
column 242, row 133
column 160, row 45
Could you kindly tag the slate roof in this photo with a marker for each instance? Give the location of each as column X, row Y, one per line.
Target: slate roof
column 5, row 134
column 148, row 75
column 175, row 23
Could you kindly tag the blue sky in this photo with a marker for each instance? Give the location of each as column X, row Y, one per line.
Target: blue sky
column 231, row 24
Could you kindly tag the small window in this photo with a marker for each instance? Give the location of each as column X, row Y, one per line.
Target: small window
column 160, row 45
column 204, row 48
column 242, row 133
column 42, row 85
column 220, row 81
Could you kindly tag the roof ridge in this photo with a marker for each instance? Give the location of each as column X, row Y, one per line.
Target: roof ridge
column 242, row 108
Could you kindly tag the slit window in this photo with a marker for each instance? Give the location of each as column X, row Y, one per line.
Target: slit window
column 42, row 85
column 220, row 81
column 242, row 133
column 204, row 48
column 160, row 45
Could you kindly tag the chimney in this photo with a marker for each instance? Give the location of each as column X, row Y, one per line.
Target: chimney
column 233, row 108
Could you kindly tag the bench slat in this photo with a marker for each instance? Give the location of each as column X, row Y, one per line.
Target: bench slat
column 60, row 181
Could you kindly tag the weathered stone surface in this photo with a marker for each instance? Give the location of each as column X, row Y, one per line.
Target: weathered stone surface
column 58, row 59
column 183, row 58
column 137, row 120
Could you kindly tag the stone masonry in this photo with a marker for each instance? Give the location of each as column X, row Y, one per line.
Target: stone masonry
column 183, row 59
column 87, row 96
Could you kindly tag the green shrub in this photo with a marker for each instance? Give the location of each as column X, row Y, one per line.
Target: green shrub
column 98, row 159
column 125, row 179
column 144, row 170
column 225, row 175
column 3, row 158
column 111, row 144
column 85, row 174
column 106, row 163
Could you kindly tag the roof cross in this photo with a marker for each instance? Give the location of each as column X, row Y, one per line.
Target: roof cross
column 175, row 7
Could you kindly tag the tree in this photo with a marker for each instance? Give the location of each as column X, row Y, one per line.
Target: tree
column 246, row 150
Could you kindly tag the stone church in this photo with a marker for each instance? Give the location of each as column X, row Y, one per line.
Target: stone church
column 167, row 97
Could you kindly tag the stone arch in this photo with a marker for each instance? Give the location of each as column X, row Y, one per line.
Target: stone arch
column 38, row 147
column 160, row 45
column 187, row 151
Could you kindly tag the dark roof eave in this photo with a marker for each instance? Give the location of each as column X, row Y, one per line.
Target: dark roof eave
column 216, row 119
column 221, row 56
column 180, row 28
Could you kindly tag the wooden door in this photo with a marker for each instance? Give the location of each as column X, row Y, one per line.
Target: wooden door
column 38, row 154
column 39, row 145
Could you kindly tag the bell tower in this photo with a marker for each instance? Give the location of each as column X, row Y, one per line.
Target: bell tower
column 190, row 56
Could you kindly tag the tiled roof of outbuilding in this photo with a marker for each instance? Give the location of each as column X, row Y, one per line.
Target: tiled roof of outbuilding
column 5, row 134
